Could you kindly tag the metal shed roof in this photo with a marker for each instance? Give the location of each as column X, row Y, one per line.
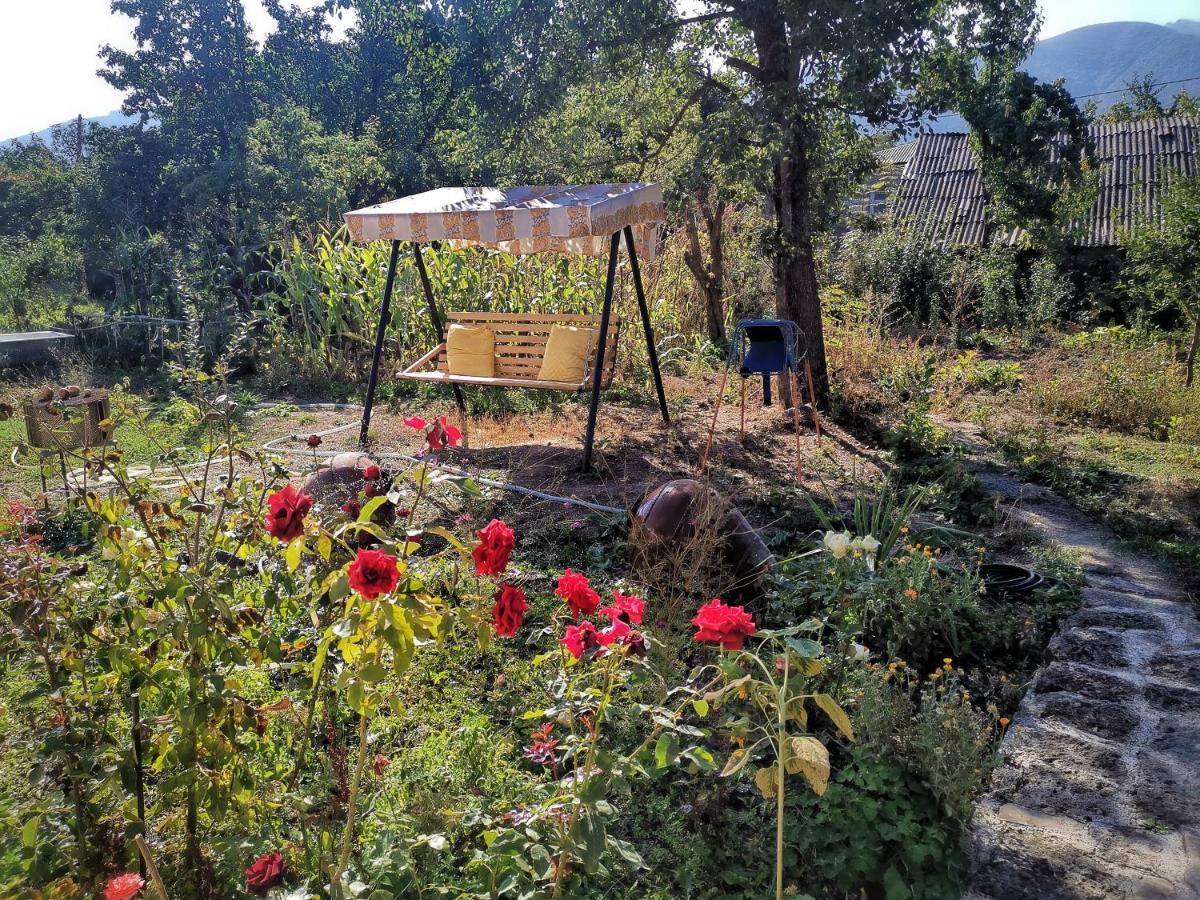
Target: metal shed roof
column 941, row 191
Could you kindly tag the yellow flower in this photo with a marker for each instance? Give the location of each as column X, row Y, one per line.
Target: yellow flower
column 1004, row 721
column 947, row 661
column 910, row 594
column 904, row 530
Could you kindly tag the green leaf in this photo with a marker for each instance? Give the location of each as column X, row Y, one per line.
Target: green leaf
column 836, row 714
column 293, row 553
column 29, row 832
column 370, row 508
column 701, row 707
column 447, row 535
column 666, row 750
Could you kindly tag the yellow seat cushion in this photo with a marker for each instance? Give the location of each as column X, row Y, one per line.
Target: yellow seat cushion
column 471, row 350
column 567, row 352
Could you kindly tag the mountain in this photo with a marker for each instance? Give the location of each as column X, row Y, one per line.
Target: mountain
column 1186, row 26
column 1106, row 57
column 113, row 119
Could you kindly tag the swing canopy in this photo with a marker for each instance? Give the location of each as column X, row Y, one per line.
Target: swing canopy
column 573, row 219
column 579, row 219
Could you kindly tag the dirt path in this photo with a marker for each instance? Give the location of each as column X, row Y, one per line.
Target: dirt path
column 1098, row 793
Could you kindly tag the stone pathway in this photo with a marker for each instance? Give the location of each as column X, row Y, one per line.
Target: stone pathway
column 1098, row 791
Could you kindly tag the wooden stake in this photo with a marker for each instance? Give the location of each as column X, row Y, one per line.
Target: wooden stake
column 743, row 435
column 713, row 426
column 812, row 394
column 155, row 878
column 795, row 386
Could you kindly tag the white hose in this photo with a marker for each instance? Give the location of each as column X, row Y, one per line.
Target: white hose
column 171, row 479
column 271, row 446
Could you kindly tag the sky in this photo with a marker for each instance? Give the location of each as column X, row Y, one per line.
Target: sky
column 48, row 49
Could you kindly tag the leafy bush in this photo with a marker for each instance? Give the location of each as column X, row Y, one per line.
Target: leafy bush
column 1122, row 378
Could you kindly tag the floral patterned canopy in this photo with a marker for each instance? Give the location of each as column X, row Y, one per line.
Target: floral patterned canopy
column 576, row 219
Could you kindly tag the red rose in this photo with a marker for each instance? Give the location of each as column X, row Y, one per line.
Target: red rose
column 580, row 637
column 374, row 572
column 718, row 623
column 619, row 630
column 381, row 762
column 124, row 887
column 495, row 547
column 371, row 473
column 404, row 513
column 370, row 490
column 288, row 507
column 508, row 612
column 443, row 434
column 314, row 441
column 574, row 588
column 265, row 873
column 352, row 508
column 632, row 608
column 438, row 434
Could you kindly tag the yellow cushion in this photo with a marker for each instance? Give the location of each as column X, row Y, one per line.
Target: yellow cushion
column 567, row 352
column 471, row 350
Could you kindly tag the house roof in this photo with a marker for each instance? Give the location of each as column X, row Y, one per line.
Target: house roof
column 941, row 190
column 897, row 154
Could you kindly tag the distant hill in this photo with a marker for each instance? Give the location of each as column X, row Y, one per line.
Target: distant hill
column 1106, row 57
column 114, row 119
column 1186, row 26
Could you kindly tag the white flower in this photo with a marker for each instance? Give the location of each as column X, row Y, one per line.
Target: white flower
column 869, row 544
column 837, row 543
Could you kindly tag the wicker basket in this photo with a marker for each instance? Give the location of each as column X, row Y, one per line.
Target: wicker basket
column 68, row 424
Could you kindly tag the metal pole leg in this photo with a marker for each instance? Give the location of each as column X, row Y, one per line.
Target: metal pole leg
column 651, row 351
column 427, row 289
column 385, row 312
column 598, row 369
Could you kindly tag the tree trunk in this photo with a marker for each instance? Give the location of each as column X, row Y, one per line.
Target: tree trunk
column 710, row 278
column 1190, row 364
column 796, row 295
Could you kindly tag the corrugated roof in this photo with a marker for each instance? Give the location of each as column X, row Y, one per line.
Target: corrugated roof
column 941, row 191
column 897, row 154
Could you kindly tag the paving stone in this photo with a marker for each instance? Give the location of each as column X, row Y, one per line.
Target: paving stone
column 1177, row 666
column 1107, row 719
column 1167, row 788
column 1180, row 741
column 1173, row 698
column 1092, row 646
column 1067, row 676
column 1121, row 619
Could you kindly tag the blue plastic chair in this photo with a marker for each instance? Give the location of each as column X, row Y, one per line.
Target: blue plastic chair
column 768, row 347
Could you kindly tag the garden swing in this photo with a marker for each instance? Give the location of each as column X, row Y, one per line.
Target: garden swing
column 574, row 219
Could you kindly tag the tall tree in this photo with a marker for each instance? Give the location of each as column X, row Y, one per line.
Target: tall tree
column 1030, row 137
column 1164, row 254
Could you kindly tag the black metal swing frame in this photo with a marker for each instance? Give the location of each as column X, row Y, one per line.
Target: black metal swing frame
column 605, row 316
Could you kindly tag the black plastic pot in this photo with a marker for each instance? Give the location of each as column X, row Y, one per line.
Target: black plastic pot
column 1007, row 579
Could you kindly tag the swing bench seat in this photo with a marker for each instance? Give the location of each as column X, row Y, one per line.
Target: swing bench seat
column 520, row 345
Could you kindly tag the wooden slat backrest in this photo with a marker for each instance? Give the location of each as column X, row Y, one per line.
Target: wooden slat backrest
column 521, row 340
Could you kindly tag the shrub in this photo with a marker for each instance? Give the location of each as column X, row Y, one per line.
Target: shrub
column 1121, row 378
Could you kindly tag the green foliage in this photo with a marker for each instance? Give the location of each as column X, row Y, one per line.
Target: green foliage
column 1164, row 252
column 1124, row 379
column 877, row 824
column 932, row 727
